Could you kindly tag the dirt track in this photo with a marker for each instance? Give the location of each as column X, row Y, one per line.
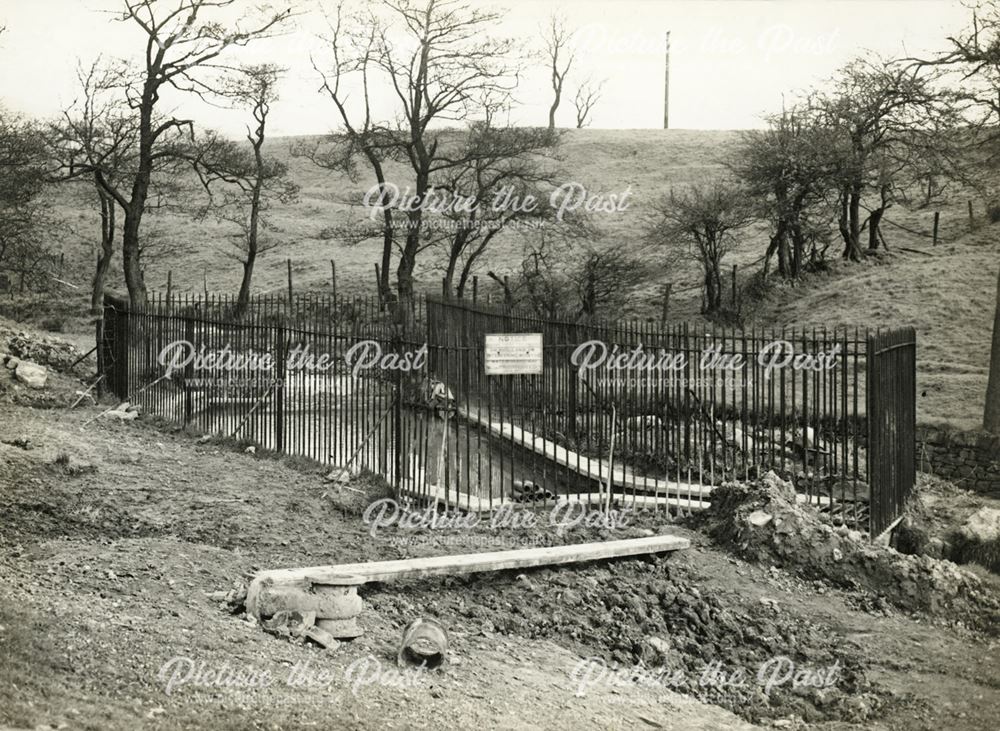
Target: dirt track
column 107, row 561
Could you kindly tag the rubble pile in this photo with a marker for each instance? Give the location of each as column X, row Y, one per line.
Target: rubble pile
column 649, row 614
column 763, row 522
column 45, row 351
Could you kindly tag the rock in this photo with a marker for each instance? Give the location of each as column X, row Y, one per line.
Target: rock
column 838, row 555
column 935, row 548
column 339, row 474
column 290, row 623
column 759, row 518
column 33, row 376
column 778, row 486
column 12, row 362
column 121, row 415
column 136, row 408
column 250, row 450
column 660, row 645
column 322, row 638
column 982, row 526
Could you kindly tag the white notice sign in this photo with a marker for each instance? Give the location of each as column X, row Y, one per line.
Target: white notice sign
column 514, row 354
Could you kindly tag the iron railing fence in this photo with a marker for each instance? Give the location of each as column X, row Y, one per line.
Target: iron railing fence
column 622, row 413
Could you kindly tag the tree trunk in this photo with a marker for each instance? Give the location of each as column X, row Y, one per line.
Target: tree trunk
column 713, row 291
column 408, row 259
column 243, row 298
column 783, row 268
column 873, row 232
column 774, row 246
column 842, row 219
column 991, row 417
column 457, row 246
column 104, row 255
column 798, row 248
column 101, row 275
column 130, row 260
column 404, row 275
column 853, row 249
column 140, row 192
column 388, row 235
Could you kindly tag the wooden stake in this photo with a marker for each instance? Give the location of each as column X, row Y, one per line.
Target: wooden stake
column 937, row 220
column 290, row 291
column 972, row 218
column 333, row 278
column 665, row 312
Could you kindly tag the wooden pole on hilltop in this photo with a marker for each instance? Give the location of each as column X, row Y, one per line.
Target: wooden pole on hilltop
column 290, row 290
column 333, row 278
column 937, row 220
column 666, row 87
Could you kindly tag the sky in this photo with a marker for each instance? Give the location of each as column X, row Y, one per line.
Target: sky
column 731, row 61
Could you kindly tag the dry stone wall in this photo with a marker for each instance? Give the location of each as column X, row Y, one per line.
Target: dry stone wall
column 969, row 459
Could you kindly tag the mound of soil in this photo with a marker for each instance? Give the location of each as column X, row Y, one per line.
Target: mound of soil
column 763, row 522
column 52, row 353
column 935, row 524
column 643, row 616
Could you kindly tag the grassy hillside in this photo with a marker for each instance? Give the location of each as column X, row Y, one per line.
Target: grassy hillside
column 945, row 291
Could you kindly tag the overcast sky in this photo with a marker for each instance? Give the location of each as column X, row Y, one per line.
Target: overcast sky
column 731, row 60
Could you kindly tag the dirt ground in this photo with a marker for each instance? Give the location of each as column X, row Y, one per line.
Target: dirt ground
column 114, row 538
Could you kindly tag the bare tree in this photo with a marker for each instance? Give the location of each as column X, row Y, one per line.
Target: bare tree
column 252, row 180
column 878, row 111
column 972, row 62
column 975, row 55
column 703, row 220
column 565, row 275
column 352, row 49
column 95, row 142
column 504, row 168
column 787, row 169
column 587, row 96
column 441, row 64
column 180, row 42
column 604, row 279
column 23, row 212
column 560, row 57
column 991, row 415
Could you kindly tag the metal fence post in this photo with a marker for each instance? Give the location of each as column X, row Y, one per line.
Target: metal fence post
column 279, row 391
